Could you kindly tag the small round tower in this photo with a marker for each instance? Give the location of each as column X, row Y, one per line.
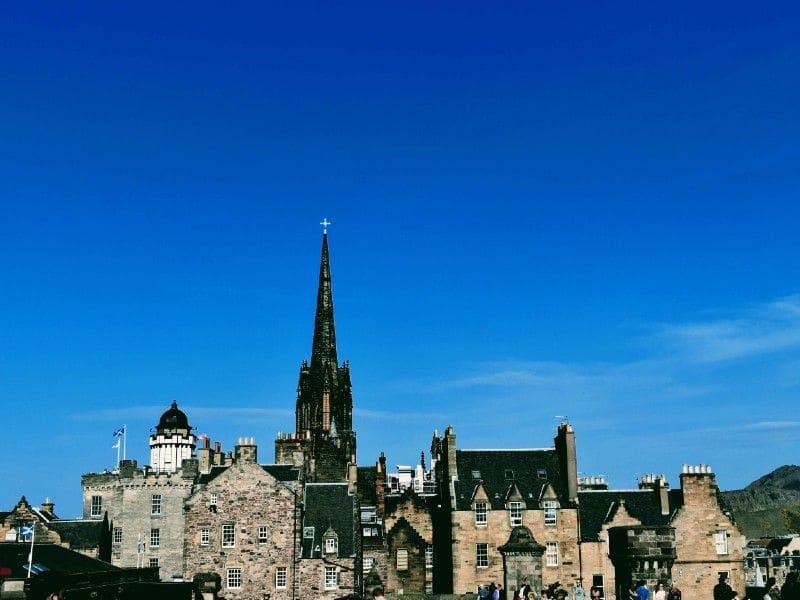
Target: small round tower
column 173, row 441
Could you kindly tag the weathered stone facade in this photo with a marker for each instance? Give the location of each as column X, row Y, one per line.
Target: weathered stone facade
column 145, row 509
column 242, row 523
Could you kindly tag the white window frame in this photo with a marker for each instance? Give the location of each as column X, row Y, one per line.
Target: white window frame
column 96, row 506
column 367, row 565
column 482, row 555
column 263, row 534
column 213, row 499
column 205, row 536
column 550, row 512
column 155, row 537
column 233, row 578
column 401, row 559
column 721, row 541
column 228, row 535
column 155, row 504
column 481, row 513
column 280, row 578
column 153, row 562
column 551, row 554
column 116, row 535
column 331, row 578
column 428, row 557
column 331, row 545
column 515, row 513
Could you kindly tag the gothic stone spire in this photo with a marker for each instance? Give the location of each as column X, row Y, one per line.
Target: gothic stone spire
column 323, row 348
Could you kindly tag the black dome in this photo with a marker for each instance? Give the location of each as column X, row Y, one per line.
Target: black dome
column 174, row 418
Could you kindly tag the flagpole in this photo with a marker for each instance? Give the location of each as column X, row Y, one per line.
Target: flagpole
column 117, row 445
column 124, row 441
column 30, row 555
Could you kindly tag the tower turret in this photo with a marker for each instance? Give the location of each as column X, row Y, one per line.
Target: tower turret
column 173, row 440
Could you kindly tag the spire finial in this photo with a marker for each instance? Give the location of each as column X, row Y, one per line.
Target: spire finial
column 325, row 224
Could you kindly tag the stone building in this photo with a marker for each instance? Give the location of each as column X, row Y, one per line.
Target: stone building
column 241, row 523
column 145, row 505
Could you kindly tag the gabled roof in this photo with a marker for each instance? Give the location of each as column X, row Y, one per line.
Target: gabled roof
column 279, row 472
column 50, row 556
column 498, row 470
column 329, row 506
column 599, row 506
column 79, row 534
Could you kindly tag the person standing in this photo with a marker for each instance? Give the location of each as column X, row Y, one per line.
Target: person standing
column 722, row 591
column 642, row 593
column 660, row 593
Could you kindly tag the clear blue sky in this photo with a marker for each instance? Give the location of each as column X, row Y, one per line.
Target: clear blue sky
column 587, row 210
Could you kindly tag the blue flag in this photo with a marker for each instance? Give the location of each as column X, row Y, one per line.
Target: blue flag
column 119, row 431
column 26, row 530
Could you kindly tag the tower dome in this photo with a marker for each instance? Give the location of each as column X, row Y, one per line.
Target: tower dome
column 172, row 442
column 174, row 418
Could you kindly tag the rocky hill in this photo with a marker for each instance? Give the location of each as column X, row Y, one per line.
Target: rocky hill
column 760, row 508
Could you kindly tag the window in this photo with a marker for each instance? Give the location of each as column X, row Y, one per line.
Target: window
column 541, row 474
column 153, row 562
column 308, row 533
column 599, row 583
column 228, row 536
column 721, row 541
column 331, row 578
column 214, row 502
column 550, row 512
column 515, row 513
column 205, row 536
column 155, row 537
column 262, row 534
column 429, row 487
column 482, row 555
column 117, row 535
column 401, row 557
column 234, row 578
column 369, row 515
column 330, row 545
column 551, row 554
column 428, row 557
column 155, row 504
column 476, row 474
column 97, row 506
column 280, row 578
column 480, row 513
column 368, row 562
column 429, row 587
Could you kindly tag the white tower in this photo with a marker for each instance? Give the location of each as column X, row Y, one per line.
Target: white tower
column 173, row 442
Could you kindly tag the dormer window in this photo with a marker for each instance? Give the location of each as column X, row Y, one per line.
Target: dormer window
column 476, row 474
column 481, row 513
column 541, row 474
column 331, row 543
column 550, row 512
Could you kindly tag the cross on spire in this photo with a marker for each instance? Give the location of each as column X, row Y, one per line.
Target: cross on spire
column 325, row 224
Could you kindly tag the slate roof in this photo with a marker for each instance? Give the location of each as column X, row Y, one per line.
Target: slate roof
column 279, row 472
column 365, row 485
column 497, row 470
column 328, row 505
column 50, row 556
column 79, row 534
column 599, row 506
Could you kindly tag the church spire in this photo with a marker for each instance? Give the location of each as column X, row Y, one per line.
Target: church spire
column 323, row 348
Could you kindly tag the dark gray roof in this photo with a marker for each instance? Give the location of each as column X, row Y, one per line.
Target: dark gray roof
column 279, row 472
column 498, row 470
column 329, row 505
column 599, row 506
column 50, row 556
column 79, row 534
column 365, row 486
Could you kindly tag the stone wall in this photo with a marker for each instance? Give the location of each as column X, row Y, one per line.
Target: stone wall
column 698, row 563
column 247, row 498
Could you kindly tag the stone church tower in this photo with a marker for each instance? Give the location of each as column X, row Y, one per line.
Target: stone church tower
column 324, row 443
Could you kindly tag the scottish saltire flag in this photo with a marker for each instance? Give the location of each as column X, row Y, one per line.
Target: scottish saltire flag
column 119, row 431
column 116, row 444
column 26, row 530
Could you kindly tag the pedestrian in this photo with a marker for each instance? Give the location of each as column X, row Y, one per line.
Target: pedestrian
column 674, row 593
column 377, row 594
column 595, row 593
column 722, row 591
column 773, row 592
column 642, row 592
column 659, row 593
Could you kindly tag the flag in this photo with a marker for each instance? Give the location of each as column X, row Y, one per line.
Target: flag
column 116, row 444
column 119, row 431
column 26, row 530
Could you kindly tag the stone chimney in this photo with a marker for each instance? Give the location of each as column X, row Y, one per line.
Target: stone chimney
column 246, row 450
column 698, row 483
column 567, row 458
column 204, row 456
column 48, row 505
column 380, row 486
